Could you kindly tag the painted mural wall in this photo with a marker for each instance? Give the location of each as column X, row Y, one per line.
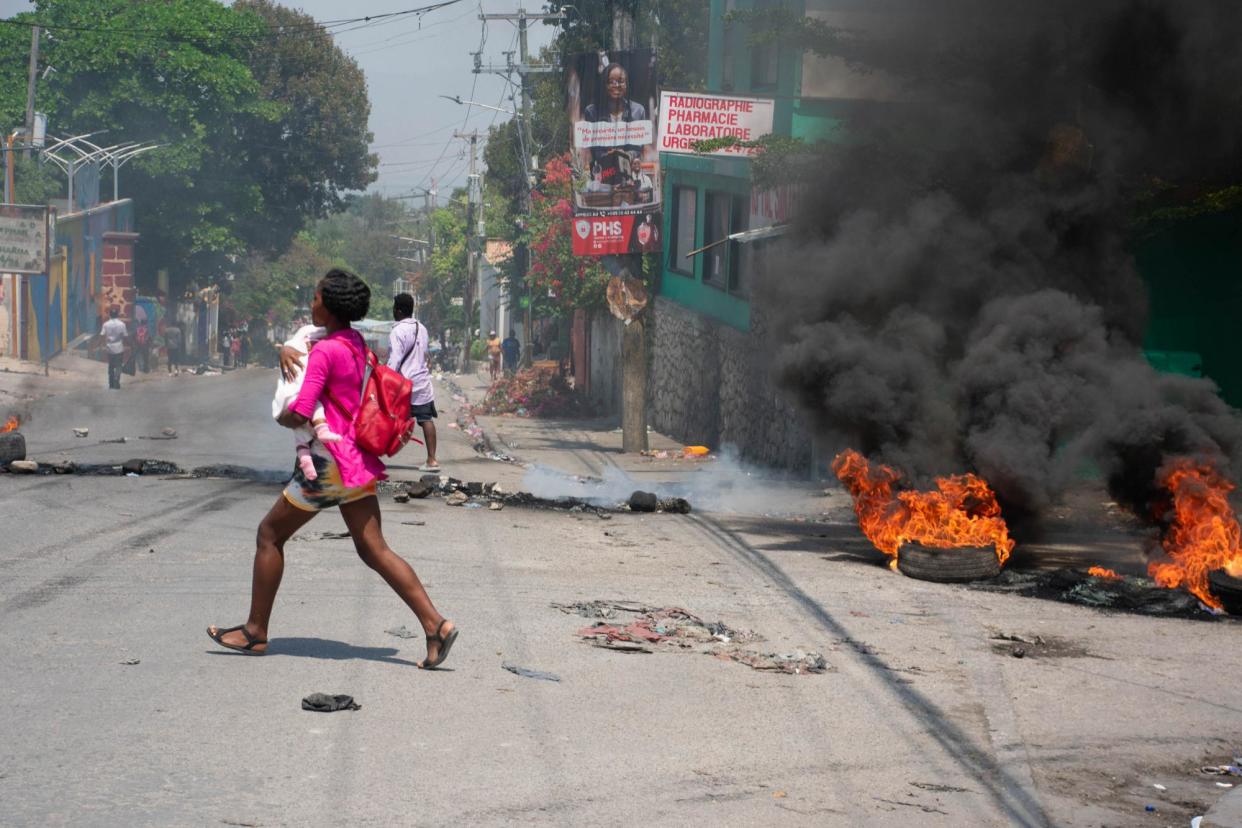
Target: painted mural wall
column 59, row 306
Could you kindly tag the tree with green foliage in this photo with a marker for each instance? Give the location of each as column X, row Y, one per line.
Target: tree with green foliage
column 317, row 145
column 560, row 281
column 241, row 97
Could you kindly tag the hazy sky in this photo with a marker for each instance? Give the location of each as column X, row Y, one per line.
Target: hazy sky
column 407, row 67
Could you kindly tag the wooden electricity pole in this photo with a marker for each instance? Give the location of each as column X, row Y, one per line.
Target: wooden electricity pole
column 634, row 334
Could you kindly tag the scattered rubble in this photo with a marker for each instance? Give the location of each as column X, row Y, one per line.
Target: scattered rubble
column 81, row 432
column 651, row 629
column 456, row 499
column 403, row 632
column 23, row 466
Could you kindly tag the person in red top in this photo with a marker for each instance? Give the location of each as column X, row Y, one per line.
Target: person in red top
column 346, row 477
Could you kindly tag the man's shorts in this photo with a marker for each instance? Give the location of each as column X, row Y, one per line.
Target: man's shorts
column 423, row 413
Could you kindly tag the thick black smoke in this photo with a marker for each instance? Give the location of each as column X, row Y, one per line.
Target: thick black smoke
column 961, row 294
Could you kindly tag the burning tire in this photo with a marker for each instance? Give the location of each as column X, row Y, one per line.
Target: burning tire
column 963, row 563
column 1228, row 589
column 12, row 447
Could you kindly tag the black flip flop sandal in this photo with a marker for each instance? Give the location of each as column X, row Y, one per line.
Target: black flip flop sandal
column 446, row 644
column 251, row 641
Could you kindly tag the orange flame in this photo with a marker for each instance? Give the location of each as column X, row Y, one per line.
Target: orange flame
column 10, row 425
column 961, row 512
column 1204, row 535
column 1101, row 572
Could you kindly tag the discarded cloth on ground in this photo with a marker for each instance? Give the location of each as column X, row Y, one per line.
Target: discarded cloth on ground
column 325, row 703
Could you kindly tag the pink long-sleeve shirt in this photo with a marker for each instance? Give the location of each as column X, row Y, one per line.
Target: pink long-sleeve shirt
column 333, row 366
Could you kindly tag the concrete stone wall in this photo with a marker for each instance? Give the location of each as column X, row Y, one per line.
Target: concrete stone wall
column 711, row 385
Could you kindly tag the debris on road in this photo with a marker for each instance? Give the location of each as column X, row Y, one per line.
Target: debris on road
column 641, row 501
column 12, row 447
column 1076, row 586
column 320, row 536
column 456, row 499
column 81, row 432
column 403, row 632
column 496, row 506
column 600, row 609
column 115, row 440
column 526, row 672
column 673, row 627
column 1223, row 770
column 130, row 662
column 413, row 523
column 794, row 663
column 325, row 703
column 23, row 466
column 420, row 488
column 64, row 467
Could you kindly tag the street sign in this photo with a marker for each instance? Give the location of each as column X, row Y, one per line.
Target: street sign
column 23, row 238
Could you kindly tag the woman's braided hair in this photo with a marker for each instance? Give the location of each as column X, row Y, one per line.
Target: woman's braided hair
column 345, row 295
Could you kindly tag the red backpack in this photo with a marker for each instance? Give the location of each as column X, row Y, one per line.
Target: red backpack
column 383, row 424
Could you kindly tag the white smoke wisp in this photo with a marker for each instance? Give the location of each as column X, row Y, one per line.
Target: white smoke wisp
column 720, row 484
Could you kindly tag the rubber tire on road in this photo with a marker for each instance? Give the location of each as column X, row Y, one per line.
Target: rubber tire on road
column 12, row 447
column 969, row 563
column 1228, row 589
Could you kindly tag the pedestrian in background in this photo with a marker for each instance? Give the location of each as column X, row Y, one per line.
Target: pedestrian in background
column 512, row 349
column 408, row 354
column 173, row 343
column 346, row 477
column 114, row 334
column 493, row 355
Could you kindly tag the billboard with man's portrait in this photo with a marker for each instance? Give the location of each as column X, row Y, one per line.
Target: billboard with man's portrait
column 611, row 102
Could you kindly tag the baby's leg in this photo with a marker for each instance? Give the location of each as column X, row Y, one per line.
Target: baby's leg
column 306, row 461
column 319, row 421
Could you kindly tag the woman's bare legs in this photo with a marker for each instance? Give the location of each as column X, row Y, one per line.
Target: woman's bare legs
column 281, row 521
column 363, row 519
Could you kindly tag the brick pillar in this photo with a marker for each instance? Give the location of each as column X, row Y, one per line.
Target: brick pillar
column 116, row 283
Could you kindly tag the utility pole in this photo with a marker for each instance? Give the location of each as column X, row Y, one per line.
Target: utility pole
column 524, row 68
column 634, row 335
column 30, row 88
column 474, row 202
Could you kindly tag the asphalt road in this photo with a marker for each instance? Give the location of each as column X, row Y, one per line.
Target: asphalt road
column 923, row 718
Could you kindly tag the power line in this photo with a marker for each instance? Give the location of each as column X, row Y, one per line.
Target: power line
column 312, row 28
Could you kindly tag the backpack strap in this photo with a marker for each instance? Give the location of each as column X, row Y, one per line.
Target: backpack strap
column 413, row 345
column 368, row 363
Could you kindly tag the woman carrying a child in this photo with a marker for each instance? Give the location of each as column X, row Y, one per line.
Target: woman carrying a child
column 345, row 476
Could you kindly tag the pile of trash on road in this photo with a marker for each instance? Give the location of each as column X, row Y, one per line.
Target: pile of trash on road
column 534, row 392
column 630, row 627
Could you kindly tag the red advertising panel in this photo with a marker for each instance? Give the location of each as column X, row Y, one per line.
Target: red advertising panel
column 611, row 103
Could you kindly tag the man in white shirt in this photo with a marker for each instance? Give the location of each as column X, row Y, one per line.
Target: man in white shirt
column 407, row 353
column 114, row 334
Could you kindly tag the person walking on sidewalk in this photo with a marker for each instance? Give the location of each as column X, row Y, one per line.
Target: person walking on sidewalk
column 407, row 354
column 114, row 334
column 493, row 355
column 512, row 350
column 346, row 477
